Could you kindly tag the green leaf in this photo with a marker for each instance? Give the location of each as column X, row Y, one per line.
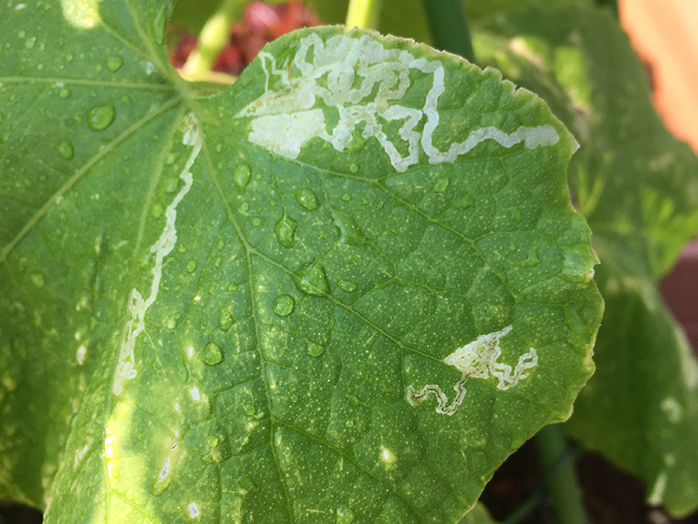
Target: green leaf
column 477, row 515
column 478, row 11
column 638, row 188
column 217, row 308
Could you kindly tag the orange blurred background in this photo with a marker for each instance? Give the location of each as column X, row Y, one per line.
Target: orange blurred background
column 665, row 35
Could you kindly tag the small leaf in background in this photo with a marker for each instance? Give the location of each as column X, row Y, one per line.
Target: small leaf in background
column 638, row 188
column 213, row 308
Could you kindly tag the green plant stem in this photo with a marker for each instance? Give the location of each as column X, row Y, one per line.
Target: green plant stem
column 212, row 39
column 363, row 13
column 559, row 475
column 450, row 30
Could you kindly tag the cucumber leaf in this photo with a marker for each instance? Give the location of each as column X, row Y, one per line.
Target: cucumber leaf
column 638, row 188
column 344, row 288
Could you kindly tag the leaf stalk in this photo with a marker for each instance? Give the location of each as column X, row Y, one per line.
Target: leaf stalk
column 363, row 14
column 559, row 474
column 450, row 30
column 213, row 39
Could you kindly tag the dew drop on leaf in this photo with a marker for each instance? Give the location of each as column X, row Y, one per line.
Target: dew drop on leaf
column 160, row 485
column 349, row 423
column 191, row 266
column 313, row 349
column 172, row 185
column 225, row 319
column 63, row 93
column 246, row 484
column 306, row 197
column 38, row 279
column 232, row 287
column 114, row 63
column 347, row 197
column 441, row 184
column 249, row 410
column 293, row 397
column 212, row 354
column 101, row 117
column 283, row 305
column 347, row 285
column 242, row 175
column 354, row 168
column 313, row 280
column 345, row 515
column 65, row 149
column 285, row 230
column 30, row 42
column 256, row 221
column 533, row 259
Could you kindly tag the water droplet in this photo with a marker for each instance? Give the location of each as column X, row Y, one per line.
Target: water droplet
column 241, row 175
column 172, row 185
column 347, row 285
column 353, row 168
column 345, row 515
column 256, row 221
column 464, row 203
column 63, row 93
column 225, row 319
column 212, row 354
column 349, row 423
column 350, row 232
column 191, row 266
column 353, row 399
column 313, row 280
column 212, row 441
column 313, row 349
column 285, row 230
column 244, row 207
column 441, row 184
column 38, row 279
column 532, row 259
column 283, row 305
column 30, row 42
column 306, row 197
column 161, row 484
column 69, row 57
column 245, row 482
column 21, row 33
column 114, row 63
column 219, row 148
column 293, row 397
column 249, row 410
column 217, row 262
column 181, row 248
column 98, row 68
column 515, row 214
column 232, row 287
column 347, row 197
column 170, row 324
column 101, row 117
column 65, row 149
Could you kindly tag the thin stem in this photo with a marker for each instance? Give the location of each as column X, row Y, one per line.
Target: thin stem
column 559, row 475
column 212, row 39
column 363, row 13
column 450, row 30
